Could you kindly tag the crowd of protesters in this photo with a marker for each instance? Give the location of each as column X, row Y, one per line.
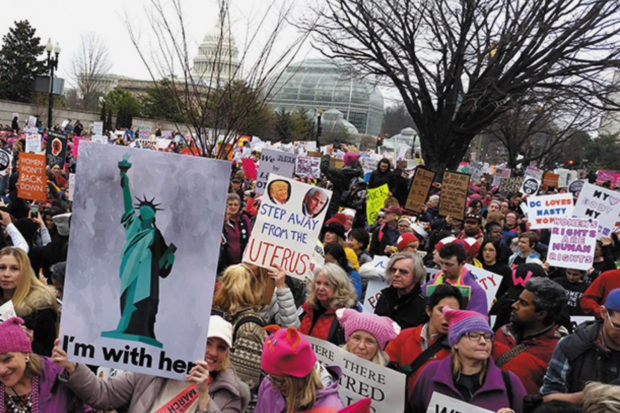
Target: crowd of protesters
column 435, row 329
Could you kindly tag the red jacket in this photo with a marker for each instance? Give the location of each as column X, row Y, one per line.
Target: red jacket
column 406, row 347
column 530, row 365
column 596, row 294
column 326, row 326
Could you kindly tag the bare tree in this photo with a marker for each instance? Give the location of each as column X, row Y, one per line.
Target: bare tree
column 90, row 63
column 458, row 65
column 537, row 131
column 210, row 102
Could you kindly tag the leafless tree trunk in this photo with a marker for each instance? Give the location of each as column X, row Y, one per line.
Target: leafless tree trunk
column 458, row 65
column 208, row 103
column 90, row 63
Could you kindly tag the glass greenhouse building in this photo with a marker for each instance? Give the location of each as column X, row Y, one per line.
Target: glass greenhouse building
column 323, row 84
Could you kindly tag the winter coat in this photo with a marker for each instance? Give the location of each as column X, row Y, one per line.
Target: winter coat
column 139, row 391
column 270, row 399
column 407, row 346
column 282, row 310
column 530, row 365
column 437, row 377
column 326, row 326
column 378, row 178
column 596, row 294
column 408, row 310
column 54, row 395
column 379, row 240
column 341, row 179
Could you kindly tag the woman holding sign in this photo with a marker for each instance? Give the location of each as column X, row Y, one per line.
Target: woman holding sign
column 469, row 374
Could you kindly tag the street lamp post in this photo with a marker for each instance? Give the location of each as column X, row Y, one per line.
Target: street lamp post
column 318, row 127
column 52, row 63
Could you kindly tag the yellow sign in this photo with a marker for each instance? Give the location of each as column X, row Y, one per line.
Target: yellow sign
column 375, row 198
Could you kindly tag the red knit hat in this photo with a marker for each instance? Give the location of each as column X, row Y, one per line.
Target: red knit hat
column 404, row 240
column 339, row 217
column 471, row 245
column 287, row 352
column 13, row 338
column 444, row 241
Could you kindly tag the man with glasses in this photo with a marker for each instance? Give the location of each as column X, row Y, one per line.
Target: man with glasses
column 403, row 300
column 452, row 259
column 525, row 345
column 591, row 353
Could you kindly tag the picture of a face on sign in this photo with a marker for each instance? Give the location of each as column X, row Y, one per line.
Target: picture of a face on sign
column 279, row 192
column 315, row 201
column 530, row 186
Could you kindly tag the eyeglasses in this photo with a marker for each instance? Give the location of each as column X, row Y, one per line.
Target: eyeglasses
column 401, row 271
column 474, row 336
column 276, row 381
column 614, row 325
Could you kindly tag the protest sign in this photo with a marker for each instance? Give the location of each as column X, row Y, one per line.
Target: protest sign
column 157, row 263
column 7, row 311
column 542, row 210
column 572, row 243
column 441, row 403
column 308, row 166
column 369, row 163
column 503, row 173
column 530, row 185
column 70, row 186
column 575, row 186
column 99, row 139
column 489, row 281
column 375, row 199
column 249, row 168
column 287, row 225
column 603, row 176
column 336, row 163
column 534, row 172
column 475, row 170
column 511, row 184
column 273, row 161
column 550, row 179
column 420, row 185
column 453, row 194
column 599, row 203
column 33, row 143
column 98, row 128
column 362, row 378
column 5, row 161
column 56, row 151
column 76, row 145
column 562, row 177
column 373, row 292
column 32, row 177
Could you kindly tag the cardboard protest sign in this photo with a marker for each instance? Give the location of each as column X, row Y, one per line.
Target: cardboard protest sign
column 249, row 168
column 489, row 281
column 272, row 161
column 336, row 163
column 140, row 273
column 308, row 166
column 32, row 177
column 56, row 151
column 542, row 210
column 362, row 378
column 287, row 226
column 550, row 179
column 511, row 184
column 440, row 403
column 530, row 185
column 572, row 243
column 418, row 192
column 453, row 196
column 599, row 203
column 375, row 199
column 33, row 143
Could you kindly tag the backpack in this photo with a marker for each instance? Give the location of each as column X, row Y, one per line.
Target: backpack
column 355, row 195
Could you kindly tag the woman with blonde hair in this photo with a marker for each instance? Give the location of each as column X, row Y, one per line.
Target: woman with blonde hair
column 33, row 301
column 601, row 398
column 296, row 382
column 239, row 300
column 329, row 290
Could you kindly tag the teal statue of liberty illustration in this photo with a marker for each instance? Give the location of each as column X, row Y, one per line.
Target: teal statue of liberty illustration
column 145, row 257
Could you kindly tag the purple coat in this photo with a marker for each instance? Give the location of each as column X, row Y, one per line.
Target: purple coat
column 437, row 376
column 54, row 396
column 477, row 301
column 270, row 400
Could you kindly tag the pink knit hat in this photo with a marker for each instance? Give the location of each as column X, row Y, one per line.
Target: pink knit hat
column 383, row 329
column 362, row 406
column 13, row 338
column 464, row 321
column 350, row 159
column 288, row 353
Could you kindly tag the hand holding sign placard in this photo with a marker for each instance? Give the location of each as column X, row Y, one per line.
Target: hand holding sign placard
column 287, row 226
